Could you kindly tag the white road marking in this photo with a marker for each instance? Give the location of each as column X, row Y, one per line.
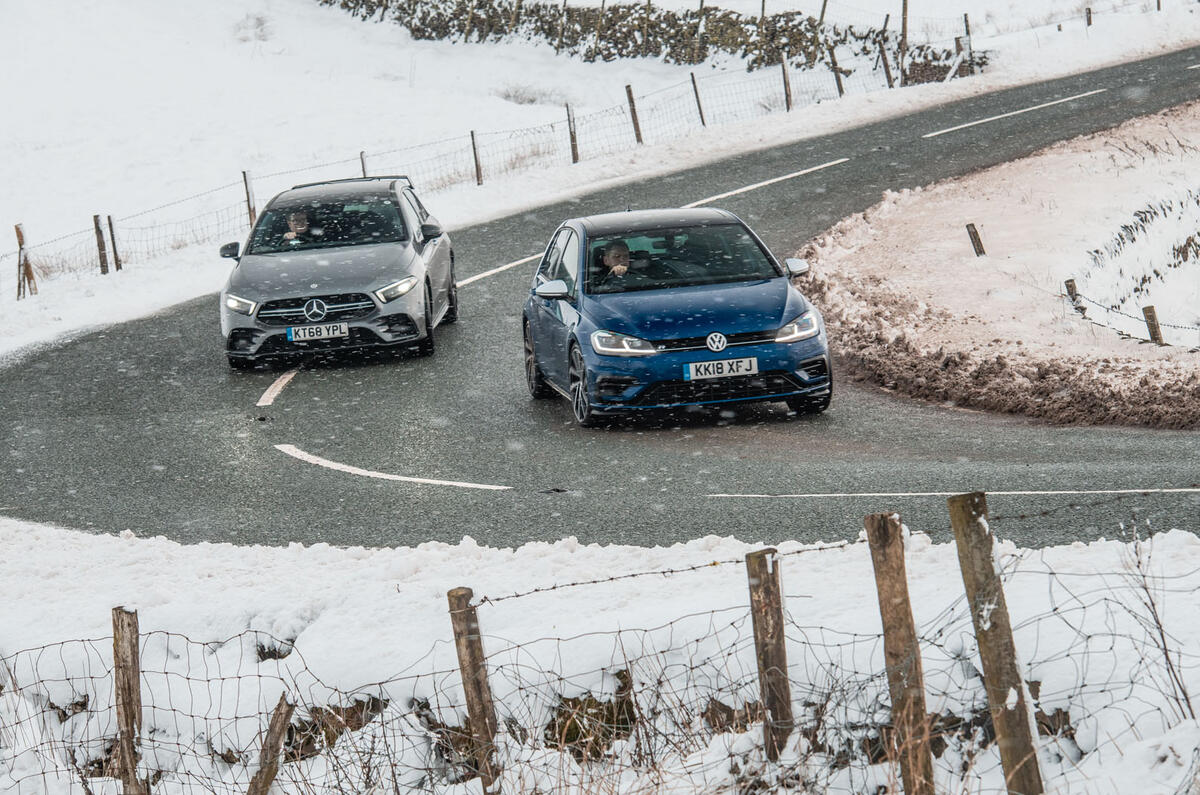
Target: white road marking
column 950, row 494
column 1013, row 113
column 1194, row 66
column 746, row 189
column 758, row 185
column 274, row 389
column 309, row 458
column 494, row 271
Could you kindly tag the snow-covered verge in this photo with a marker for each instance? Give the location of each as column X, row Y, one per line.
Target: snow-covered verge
column 253, row 93
column 915, row 310
column 227, row 629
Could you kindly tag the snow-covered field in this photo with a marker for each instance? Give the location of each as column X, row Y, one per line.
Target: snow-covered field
column 126, row 106
column 1116, row 212
column 369, row 622
column 188, row 130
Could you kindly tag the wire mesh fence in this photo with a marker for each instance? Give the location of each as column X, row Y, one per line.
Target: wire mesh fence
column 671, row 706
column 223, row 213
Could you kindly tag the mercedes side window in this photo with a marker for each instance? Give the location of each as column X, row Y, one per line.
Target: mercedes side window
column 411, row 219
column 422, row 213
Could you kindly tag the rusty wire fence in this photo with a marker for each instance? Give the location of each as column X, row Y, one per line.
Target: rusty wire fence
column 1107, row 659
column 223, row 213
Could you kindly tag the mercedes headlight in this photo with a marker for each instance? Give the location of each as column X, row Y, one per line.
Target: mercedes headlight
column 611, row 343
column 240, row 305
column 396, row 289
column 801, row 328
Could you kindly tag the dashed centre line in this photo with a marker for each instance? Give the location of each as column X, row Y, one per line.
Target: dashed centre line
column 765, row 183
column 1014, row 113
column 274, row 389
column 1194, row 66
column 500, row 269
column 309, row 458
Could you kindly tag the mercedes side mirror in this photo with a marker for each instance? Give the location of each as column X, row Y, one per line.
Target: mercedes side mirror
column 231, row 250
column 796, row 267
column 552, row 290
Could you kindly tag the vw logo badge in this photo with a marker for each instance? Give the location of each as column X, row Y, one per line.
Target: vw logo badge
column 716, row 341
column 315, row 311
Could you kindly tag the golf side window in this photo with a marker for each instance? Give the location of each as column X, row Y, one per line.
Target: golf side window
column 548, row 268
column 568, row 267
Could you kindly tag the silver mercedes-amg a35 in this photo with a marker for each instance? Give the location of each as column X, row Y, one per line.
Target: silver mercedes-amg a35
column 347, row 264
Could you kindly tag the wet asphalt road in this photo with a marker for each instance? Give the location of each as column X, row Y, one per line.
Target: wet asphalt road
column 143, row 426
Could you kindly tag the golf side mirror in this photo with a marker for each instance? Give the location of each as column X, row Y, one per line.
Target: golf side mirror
column 552, row 290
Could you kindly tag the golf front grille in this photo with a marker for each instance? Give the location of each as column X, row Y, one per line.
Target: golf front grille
column 760, row 385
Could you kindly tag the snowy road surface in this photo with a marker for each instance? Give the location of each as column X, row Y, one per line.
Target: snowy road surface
column 142, row 425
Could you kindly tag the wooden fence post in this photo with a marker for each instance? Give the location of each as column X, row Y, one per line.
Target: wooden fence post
column 637, row 128
column 599, row 28
column 127, row 689
column 821, row 19
column 762, row 25
column 837, row 73
column 964, row 68
column 976, row 242
column 1008, row 699
column 112, row 238
column 1072, row 291
column 480, row 711
column 21, row 259
column 766, row 614
column 268, row 759
column 475, row 154
column 696, row 91
column 787, row 86
column 562, row 27
column 100, row 249
column 646, row 30
column 1152, row 325
column 571, row 132
column 901, row 653
column 1087, row 15
column 903, row 40
column 699, row 34
column 253, row 213
column 470, row 22
column 887, row 69
column 26, row 284
column 362, row 159
column 970, row 46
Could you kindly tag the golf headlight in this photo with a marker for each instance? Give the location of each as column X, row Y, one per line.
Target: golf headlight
column 611, row 343
column 801, row 328
column 240, row 305
column 396, row 289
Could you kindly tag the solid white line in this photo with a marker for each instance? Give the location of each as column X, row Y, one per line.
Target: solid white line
column 950, row 494
column 309, row 458
column 1013, row 113
column 494, row 271
column 757, row 185
column 1195, row 66
column 274, row 389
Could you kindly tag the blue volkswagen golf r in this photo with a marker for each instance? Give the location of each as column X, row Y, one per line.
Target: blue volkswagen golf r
column 664, row 308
